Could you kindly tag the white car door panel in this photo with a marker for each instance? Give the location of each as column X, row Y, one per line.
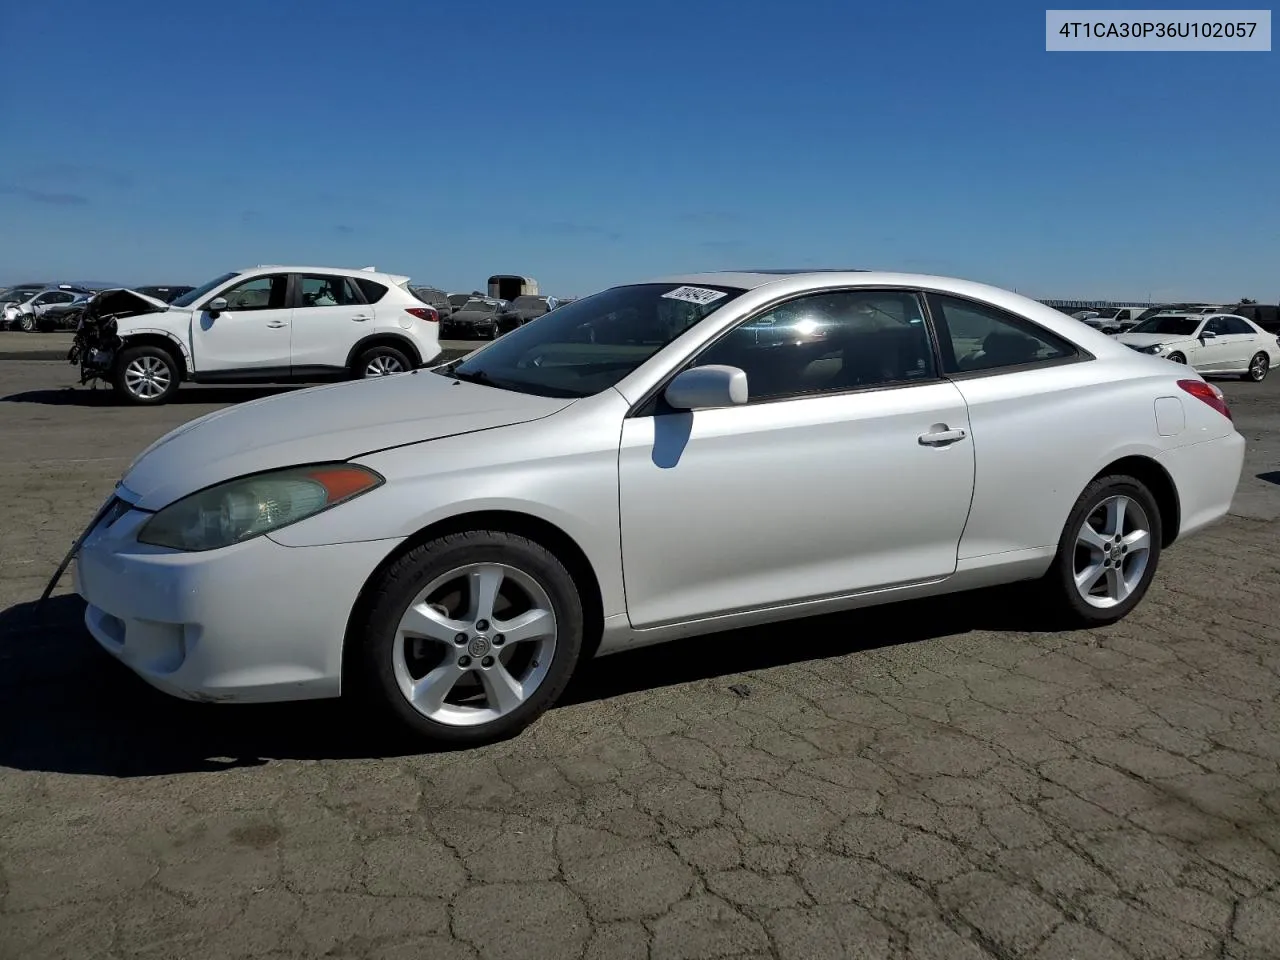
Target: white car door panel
column 251, row 334
column 329, row 318
column 770, row 503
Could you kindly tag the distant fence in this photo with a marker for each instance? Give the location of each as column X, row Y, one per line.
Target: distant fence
column 1096, row 304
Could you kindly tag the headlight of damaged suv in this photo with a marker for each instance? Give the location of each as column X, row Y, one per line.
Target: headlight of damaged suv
column 251, row 506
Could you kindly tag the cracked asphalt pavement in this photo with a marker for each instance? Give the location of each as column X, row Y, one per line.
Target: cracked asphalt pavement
column 931, row 780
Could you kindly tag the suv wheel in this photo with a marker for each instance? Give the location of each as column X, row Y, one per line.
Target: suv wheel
column 145, row 375
column 381, row 362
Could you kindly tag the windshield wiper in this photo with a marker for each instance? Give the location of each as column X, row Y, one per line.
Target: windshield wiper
column 473, row 376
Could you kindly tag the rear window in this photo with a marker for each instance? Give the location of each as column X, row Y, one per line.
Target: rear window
column 372, row 290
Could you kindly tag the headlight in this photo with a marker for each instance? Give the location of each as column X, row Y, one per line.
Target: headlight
column 1156, row 348
column 251, row 506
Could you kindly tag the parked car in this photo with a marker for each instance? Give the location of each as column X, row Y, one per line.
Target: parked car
column 1214, row 343
column 434, row 297
column 19, row 293
column 521, row 310
column 452, row 545
column 268, row 323
column 475, row 318
column 40, row 310
column 166, row 294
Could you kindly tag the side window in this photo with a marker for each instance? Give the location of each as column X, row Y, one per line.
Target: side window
column 260, row 293
column 1217, row 325
column 373, row 291
column 829, row 343
column 975, row 336
column 322, row 291
column 63, row 297
column 1236, row 325
column 43, row 299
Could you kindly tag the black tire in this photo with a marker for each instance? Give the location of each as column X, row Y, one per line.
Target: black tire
column 381, row 358
column 1259, row 367
column 1177, row 358
column 1059, row 584
column 133, row 362
column 372, row 660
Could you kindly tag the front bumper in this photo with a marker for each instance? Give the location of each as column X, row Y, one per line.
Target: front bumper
column 254, row 622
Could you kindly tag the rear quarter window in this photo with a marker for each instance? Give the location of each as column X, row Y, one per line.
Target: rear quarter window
column 372, row 290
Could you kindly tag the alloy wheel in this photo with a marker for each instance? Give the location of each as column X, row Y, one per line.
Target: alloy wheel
column 1112, row 550
column 475, row 644
column 383, row 366
column 147, row 377
column 1259, row 367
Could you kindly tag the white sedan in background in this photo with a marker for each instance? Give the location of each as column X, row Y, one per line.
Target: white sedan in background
column 652, row 463
column 1213, row 343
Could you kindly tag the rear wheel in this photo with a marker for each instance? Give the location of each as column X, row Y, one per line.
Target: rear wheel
column 145, row 375
column 1259, row 367
column 471, row 637
column 382, row 361
column 1108, row 553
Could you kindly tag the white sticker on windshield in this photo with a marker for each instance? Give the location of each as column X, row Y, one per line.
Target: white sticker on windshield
column 699, row 295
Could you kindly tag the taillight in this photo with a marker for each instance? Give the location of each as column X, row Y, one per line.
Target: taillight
column 1208, row 393
column 424, row 313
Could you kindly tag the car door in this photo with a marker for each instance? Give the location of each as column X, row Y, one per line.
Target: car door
column 330, row 315
column 1242, row 341
column 251, row 335
column 849, row 469
column 1213, row 353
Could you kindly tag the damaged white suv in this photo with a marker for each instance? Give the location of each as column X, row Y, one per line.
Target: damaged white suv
column 264, row 324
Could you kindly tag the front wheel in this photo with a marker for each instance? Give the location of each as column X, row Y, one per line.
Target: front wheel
column 1259, row 367
column 1107, row 554
column 146, row 375
column 26, row 323
column 1177, row 358
column 469, row 638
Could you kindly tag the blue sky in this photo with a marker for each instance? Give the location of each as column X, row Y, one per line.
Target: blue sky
column 591, row 143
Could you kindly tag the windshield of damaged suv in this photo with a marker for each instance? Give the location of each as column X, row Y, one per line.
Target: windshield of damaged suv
column 187, row 299
column 1176, row 326
column 589, row 345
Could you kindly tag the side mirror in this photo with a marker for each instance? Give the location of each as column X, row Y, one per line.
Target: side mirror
column 1208, row 335
column 216, row 305
column 710, row 386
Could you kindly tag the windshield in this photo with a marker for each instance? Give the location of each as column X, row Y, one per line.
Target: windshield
column 521, row 303
column 589, row 345
column 1174, row 325
column 187, row 299
column 479, row 305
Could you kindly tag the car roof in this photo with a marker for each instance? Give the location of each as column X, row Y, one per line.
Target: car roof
column 337, row 271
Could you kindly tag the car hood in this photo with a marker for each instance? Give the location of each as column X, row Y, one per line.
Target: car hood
column 1150, row 339
column 125, row 301
column 326, row 423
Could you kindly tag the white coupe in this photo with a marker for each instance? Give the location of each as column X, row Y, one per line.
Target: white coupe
column 657, row 461
column 1219, row 343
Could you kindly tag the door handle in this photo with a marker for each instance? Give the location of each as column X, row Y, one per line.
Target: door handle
column 940, row 436
column 277, row 324
column 361, row 319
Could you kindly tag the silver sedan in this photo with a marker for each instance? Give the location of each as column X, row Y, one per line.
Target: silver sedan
column 655, row 462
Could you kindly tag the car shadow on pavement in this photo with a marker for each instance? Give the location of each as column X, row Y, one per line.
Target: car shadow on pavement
column 1271, row 477
column 89, row 397
column 66, row 706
